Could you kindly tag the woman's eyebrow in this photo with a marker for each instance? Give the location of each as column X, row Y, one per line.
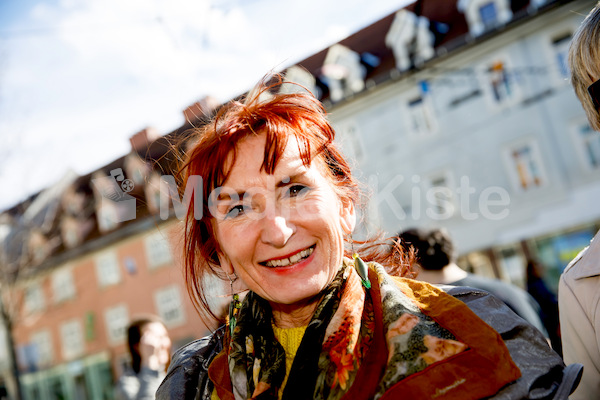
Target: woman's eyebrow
column 293, row 178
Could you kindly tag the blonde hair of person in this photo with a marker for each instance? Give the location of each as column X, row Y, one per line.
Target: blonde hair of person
column 584, row 62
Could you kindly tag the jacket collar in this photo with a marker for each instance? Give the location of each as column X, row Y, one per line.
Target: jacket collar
column 588, row 264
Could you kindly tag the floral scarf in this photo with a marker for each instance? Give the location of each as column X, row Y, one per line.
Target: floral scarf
column 343, row 350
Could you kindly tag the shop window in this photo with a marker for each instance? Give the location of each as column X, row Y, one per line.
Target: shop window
column 158, row 250
column 117, row 319
column 512, row 262
column 107, row 269
column 71, row 334
column 169, row 305
column 63, row 287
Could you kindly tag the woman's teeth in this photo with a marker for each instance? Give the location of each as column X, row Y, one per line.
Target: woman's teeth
column 284, row 262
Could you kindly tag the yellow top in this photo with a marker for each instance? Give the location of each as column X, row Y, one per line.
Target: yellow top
column 290, row 339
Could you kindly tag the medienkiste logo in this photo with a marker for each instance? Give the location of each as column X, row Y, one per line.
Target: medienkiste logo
column 116, row 202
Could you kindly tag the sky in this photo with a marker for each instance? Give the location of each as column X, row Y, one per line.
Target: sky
column 79, row 77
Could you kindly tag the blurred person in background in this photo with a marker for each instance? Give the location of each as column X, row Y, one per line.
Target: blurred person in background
column 436, row 257
column 548, row 302
column 150, row 349
column 317, row 322
column 579, row 286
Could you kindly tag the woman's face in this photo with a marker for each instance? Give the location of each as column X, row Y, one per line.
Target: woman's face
column 282, row 234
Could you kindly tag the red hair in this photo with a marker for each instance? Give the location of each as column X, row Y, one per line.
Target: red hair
column 279, row 116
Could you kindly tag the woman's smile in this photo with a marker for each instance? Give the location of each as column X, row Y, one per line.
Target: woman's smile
column 290, row 261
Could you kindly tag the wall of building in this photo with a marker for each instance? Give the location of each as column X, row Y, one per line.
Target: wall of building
column 466, row 141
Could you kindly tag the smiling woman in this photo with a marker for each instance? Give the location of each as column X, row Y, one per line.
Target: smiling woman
column 278, row 213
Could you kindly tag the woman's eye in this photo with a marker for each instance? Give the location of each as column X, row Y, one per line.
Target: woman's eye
column 236, row 210
column 296, row 190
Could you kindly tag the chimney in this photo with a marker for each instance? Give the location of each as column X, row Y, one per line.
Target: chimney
column 143, row 138
column 200, row 109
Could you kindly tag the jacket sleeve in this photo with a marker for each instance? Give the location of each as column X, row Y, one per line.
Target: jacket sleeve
column 544, row 375
column 187, row 376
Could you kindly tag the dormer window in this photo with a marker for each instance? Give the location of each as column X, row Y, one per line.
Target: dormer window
column 303, row 78
column 484, row 15
column 343, row 72
column 410, row 39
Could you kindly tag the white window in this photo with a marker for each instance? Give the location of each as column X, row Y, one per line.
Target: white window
column 158, row 250
column 343, row 71
column 169, row 305
column 483, row 15
column 588, row 145
column 420, row 118
column 71, row 335
column 525, row 166
column 42, row 348
column 34, row 297
column 117, row 319
column 440, row 196
column 107, row 269
column 63, row 287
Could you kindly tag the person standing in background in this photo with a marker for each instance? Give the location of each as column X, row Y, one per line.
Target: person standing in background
column 548, row 302
column 436, row 257
column 150, row 348
column 579, row 286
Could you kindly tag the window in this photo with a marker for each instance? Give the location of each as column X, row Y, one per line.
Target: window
column 350, row 140
column 420, row 116
column 62, row 285
column 488, row 15
column 499, row 82
column 42, row 348
column 34, row 297
column 560, row 48
column 525, row 164
column 158, row 250
column 107, row 269
column 169, row 306
column 588, row 141
column 483, row 15
column 440, row 196
column 72, row 339
column 117, row 319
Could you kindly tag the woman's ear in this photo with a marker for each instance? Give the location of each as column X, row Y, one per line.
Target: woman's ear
column 347, row 216
column 224, row 263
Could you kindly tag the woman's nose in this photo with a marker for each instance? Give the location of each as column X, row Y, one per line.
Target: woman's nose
column 276, row 230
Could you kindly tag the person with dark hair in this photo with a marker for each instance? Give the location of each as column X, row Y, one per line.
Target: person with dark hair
column 548, row 302
column 436, row 258
column 273, row 218
column 579, row 285
column 150, row 349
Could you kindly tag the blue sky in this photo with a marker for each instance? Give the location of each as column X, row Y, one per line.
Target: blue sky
column 79, row 77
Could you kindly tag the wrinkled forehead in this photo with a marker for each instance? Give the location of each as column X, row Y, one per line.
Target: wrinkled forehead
column 272, row 153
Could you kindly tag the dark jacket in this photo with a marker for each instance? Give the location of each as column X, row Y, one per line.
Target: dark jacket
column 544, row 375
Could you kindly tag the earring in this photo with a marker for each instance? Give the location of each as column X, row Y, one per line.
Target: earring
column 361, row 267
column 234, row 306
